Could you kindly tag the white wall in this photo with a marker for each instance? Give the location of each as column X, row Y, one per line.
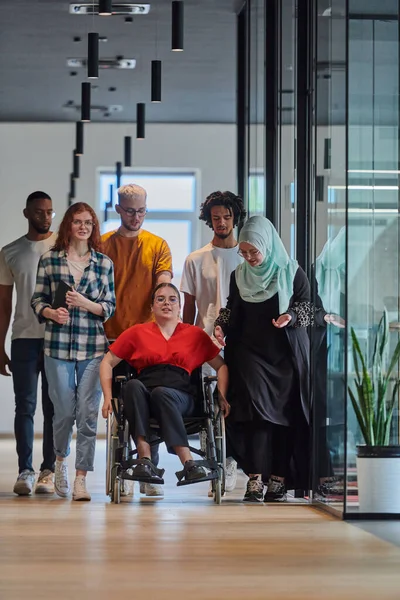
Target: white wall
column 39, row 156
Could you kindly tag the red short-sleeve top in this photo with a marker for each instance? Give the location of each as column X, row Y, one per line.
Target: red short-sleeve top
column 145, row 346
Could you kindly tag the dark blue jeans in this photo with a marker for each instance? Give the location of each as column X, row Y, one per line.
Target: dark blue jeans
column 26, row 364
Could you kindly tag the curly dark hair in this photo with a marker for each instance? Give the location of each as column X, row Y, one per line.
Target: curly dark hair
column 230, row 200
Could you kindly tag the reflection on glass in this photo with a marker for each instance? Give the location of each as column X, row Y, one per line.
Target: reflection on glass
column 373, row 203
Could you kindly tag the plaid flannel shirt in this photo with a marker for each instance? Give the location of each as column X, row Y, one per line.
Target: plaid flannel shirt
column 82, row 337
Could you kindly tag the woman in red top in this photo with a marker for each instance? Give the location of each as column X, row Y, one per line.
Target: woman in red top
column 164, row 353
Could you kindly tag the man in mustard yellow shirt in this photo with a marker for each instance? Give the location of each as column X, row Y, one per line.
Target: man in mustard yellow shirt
column 141, row 261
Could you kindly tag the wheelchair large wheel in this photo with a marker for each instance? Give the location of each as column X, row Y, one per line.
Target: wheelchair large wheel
column 220, row 443
column 111, row 446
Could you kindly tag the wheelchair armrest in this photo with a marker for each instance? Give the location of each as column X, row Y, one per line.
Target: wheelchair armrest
column 210, row 379
column 121, row 378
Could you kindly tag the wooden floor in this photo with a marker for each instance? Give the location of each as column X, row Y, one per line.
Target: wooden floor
column 182, row 547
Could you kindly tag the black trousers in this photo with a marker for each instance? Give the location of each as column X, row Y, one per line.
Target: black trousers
column 166, row 405
column 123, row 368
column 262, row 447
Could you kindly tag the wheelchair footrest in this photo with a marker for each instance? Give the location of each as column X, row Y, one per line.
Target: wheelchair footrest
column 142, row 478
column 211, row 465
column 210, row 477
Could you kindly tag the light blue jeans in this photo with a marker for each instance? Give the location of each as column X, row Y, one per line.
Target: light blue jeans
column 74, row 389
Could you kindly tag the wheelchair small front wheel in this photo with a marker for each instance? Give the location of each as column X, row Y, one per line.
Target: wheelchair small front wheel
column 217, row 491
column 117, row 491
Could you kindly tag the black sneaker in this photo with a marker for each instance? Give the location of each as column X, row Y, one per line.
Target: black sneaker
column 254, row 490
column 276, row 491
column 193, row 471
column 143, row 470
column 330, row 489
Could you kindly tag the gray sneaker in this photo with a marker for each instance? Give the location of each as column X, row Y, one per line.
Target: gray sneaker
column 25, row 482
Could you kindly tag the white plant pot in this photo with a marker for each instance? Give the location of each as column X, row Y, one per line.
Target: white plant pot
column 378, row 475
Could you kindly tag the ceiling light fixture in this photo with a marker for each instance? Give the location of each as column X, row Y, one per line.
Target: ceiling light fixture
column 156, row 80
column 71, row 186
column 103, row 63
column 177, row 26
column 140, row 120
column 93, row 56
column 118, row 173
column 127, row 151
column 85, row 104
column 79, row 138
column 75, row 162
column 103, row 8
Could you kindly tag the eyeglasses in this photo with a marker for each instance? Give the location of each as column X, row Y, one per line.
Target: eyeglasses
column 250, row 253
column 43, row 214
column 132, row 212
column 79, row 222
column 163, row 299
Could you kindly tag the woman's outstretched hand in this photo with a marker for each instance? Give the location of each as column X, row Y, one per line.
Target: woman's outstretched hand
column 336, row 320
column 282, row 321
column 219, row 335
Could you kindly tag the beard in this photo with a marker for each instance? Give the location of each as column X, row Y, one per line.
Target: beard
column 223, row 236
column 40, row 228
column 130, row 227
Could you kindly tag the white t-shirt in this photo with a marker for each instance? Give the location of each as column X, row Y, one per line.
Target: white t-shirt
column 18, row 265
column 206, row 276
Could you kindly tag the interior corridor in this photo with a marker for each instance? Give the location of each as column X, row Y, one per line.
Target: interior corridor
column 183, row 546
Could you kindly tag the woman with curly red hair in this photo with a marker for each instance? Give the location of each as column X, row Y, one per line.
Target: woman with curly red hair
column 75, row 342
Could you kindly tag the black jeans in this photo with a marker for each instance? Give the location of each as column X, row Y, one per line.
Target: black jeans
column 26, row 364
column 166, row 405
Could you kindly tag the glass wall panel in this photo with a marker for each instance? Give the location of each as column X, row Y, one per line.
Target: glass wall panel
column 328, row 340
column 256, row 112
column 287, row 125
column 373, row 204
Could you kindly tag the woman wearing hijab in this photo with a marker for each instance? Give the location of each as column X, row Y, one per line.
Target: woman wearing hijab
column 267, row 353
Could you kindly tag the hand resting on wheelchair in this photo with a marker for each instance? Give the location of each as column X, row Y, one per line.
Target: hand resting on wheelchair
column 164, row 353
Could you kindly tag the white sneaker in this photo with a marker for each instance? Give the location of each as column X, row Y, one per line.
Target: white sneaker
column 80, row 492
column 25, row 482
column 45, row 482
column 61, row 484
column 230, row 474
column 152, row 489
column 126, row 487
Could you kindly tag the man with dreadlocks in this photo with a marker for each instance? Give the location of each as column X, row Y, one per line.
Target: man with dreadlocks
column 206, row 274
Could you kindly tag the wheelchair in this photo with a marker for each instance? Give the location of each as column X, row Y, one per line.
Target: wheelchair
column 208, row 421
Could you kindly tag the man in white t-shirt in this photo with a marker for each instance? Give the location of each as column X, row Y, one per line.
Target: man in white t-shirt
column 206, row 274
column 18, row 266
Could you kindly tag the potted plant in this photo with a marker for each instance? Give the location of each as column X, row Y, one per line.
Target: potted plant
column 374, row 398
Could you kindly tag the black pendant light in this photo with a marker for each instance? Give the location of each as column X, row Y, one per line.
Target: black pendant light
column 127, row 151
column 72, row 186
column 156, row 80
column 85, row 104
column 177, row 26
column 76, row 165
column 109, row 204
column 93, row 56
column 79, row 138
column 69, row 200
column 118, row 173
column 105, row 8
column 140, row 120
